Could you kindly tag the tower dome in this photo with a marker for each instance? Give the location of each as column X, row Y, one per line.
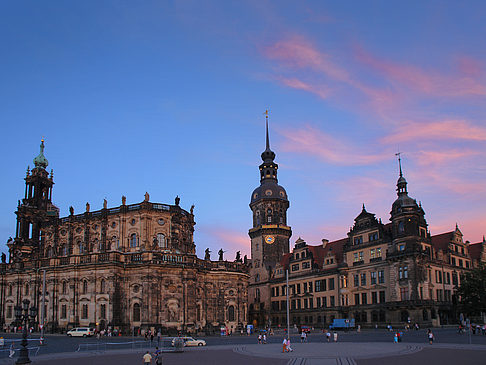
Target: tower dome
column 41, row 160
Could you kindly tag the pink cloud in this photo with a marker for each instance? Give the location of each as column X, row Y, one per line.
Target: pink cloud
column 448, row 129
column 425, row 81
column 470, row 66
column 231, row 240
column 301, row 85
column 309, row 140
column 441, row 157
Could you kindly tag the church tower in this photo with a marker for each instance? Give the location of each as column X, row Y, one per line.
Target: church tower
column 34, row 211
column 270, row 234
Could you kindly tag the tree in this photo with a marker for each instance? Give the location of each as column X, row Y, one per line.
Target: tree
column 472, row 292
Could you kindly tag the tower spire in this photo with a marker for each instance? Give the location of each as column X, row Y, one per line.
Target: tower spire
column 399, row 162
column 401, row 183
column 268, row 138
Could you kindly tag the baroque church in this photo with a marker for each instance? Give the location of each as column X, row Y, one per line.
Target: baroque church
column 129, row 267
column 377, row 274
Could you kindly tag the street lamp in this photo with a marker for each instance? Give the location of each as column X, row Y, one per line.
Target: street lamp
column 24, row 318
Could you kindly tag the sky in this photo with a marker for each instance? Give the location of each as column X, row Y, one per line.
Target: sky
column 169, row 97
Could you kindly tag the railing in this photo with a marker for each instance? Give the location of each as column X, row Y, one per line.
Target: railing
column 161, row 207
column 65, row 260
column 85, row 259
column 102, row 257
column 357, row 263
column 136, row 257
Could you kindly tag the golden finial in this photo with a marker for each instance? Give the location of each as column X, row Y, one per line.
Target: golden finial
column 42, row 140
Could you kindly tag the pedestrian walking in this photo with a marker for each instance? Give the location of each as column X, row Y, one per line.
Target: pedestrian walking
column 11, row 351
column 147, row 358
column 395, row 338
column 335, row 336
column 284, row 345
column 158, row 356
column 259, row 339
column 264, row 338
column 430, row 336
column 328, row 336
column 302, row 337
column 289, row 348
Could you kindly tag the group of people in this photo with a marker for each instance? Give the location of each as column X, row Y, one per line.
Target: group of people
column 157, row 356
column 262, row 339
column 328, row 335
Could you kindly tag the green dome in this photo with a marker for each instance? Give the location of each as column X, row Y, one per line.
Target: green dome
column 41, row 160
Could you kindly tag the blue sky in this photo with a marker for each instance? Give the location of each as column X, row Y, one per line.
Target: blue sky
column 168, row 97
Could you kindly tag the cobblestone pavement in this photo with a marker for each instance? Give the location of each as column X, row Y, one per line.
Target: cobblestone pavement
column 303, row 354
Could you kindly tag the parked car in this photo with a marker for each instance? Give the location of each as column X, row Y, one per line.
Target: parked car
column 81, row 332
column 190, row 341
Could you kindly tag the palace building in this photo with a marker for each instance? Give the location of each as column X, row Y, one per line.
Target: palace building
column 126, row 267
column 379, row 274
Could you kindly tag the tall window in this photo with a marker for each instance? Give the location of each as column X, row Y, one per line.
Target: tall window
column 363, row 279
column 404, row 293
column 231, row 313
column 103, row 311
column 161, row 240
column 381, row 276
column 133, row 240
column 27, row 289
column 64, row 287
column 85, row 287
column 373, row 277
column 82, row 247
column 356, row 280
column 136, row 312
column 63, row 311
column 84, row 313
column 115, row 243
column 102, row 286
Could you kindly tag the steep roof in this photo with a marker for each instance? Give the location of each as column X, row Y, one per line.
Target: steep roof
column 319, row 252
column 441, row 241
column 475, row 250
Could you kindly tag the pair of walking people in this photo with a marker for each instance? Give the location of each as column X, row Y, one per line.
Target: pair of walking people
column 286, row 345
column 147, row 358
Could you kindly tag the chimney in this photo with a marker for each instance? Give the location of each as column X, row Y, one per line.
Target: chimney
column 324, row 242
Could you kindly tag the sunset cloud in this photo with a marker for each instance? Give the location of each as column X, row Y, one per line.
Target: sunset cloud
column 441, row 130
column 295, row 83
column 230, row 240
column 312, row 141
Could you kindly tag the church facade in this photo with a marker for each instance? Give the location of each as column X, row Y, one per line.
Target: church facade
column 127, row 267
column 378, row 274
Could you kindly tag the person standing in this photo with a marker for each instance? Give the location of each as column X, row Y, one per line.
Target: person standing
column 147, row 358
column 335, row 336
column 328, row 336
column 430, row 336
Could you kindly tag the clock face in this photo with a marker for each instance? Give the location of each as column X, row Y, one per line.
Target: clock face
column 269, row 239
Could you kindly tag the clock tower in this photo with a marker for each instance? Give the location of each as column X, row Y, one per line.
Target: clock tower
column 269, row 235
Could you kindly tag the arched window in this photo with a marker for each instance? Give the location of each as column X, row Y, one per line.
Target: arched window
column 64, row 287
column 133, row 240
column 115, row 243
column 27, row 289
column 64, row 250
column 10, row 289
column 136, row 312
column 85, row 287
column 161, row 240
column 49, row 251
column 231, row 313
column 102, row 286
column 401, row 227
column 82, row 247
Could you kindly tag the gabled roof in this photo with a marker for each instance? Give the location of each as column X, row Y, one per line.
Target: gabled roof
column 319, row 252
column 441, row 241
column 475, row 250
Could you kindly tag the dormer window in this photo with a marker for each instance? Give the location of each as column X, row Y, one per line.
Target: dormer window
column 401, row 227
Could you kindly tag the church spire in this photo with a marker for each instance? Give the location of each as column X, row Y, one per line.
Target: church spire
column 41, row 160
column 268, row 155
column 268, row 139
column 401, row 183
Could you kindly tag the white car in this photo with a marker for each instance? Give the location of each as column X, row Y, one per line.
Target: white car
column 190, row 341
column 81, row 332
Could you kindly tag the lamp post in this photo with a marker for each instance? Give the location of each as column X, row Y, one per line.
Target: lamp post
column 24, row 319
